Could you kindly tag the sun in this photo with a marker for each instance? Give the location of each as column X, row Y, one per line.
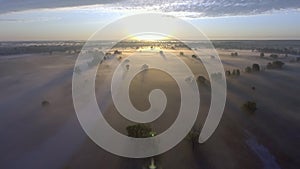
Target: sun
column 149, row 37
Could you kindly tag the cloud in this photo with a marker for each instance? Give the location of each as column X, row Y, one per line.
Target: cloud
column 26, row 20
column 7, row 6
column 185, row 8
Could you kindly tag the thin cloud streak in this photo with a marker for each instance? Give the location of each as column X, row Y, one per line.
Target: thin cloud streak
column 189, row 8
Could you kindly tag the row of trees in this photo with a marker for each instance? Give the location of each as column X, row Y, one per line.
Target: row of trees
column 255, row 68
column 235, row 72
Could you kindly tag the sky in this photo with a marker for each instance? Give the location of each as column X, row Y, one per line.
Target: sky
column 25, row 20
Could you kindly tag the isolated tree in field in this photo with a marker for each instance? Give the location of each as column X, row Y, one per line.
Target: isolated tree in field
column 116, row 52
column 234, row 72
column 275, row 65
column 201, row 79
column 139, row 131
column 274, row 56
column 227, row 73
column 250, row 106
column 255, row 67
column 193, row 137
column 234, row 54
column 248, row 69
column 45, row 103
column 238, row 72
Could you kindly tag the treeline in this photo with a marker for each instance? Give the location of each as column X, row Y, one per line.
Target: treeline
column 265, row 46
column 279, row 51
column 14, row 50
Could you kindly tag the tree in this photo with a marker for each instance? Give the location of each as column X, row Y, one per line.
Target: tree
column 139, row 131
column 116, row 52
column 255, row 67
column 274, row 56
column 275, row 65
column 227, row 73
column 45, row 103
column 238, row 72
column 248, row 69
column 201, row 79
column 234, row 72
column 250, row 106
column 193, row 136
column 234, row 54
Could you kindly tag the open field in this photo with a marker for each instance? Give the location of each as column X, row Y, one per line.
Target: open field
column 36, row 135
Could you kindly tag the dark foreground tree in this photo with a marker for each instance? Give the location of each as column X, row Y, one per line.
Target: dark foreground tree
column 139, row 131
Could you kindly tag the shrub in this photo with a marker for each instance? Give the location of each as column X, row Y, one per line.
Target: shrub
column 255, row 67
column 262, row 55
column 250, row 106
column 194, row 56
column 181, row 54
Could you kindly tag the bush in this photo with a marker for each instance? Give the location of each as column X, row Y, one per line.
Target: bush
column 181, row 54
column 262, row 55
column 255, row 67
column 250, row 106
column 194, row 56
column 248, row 69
